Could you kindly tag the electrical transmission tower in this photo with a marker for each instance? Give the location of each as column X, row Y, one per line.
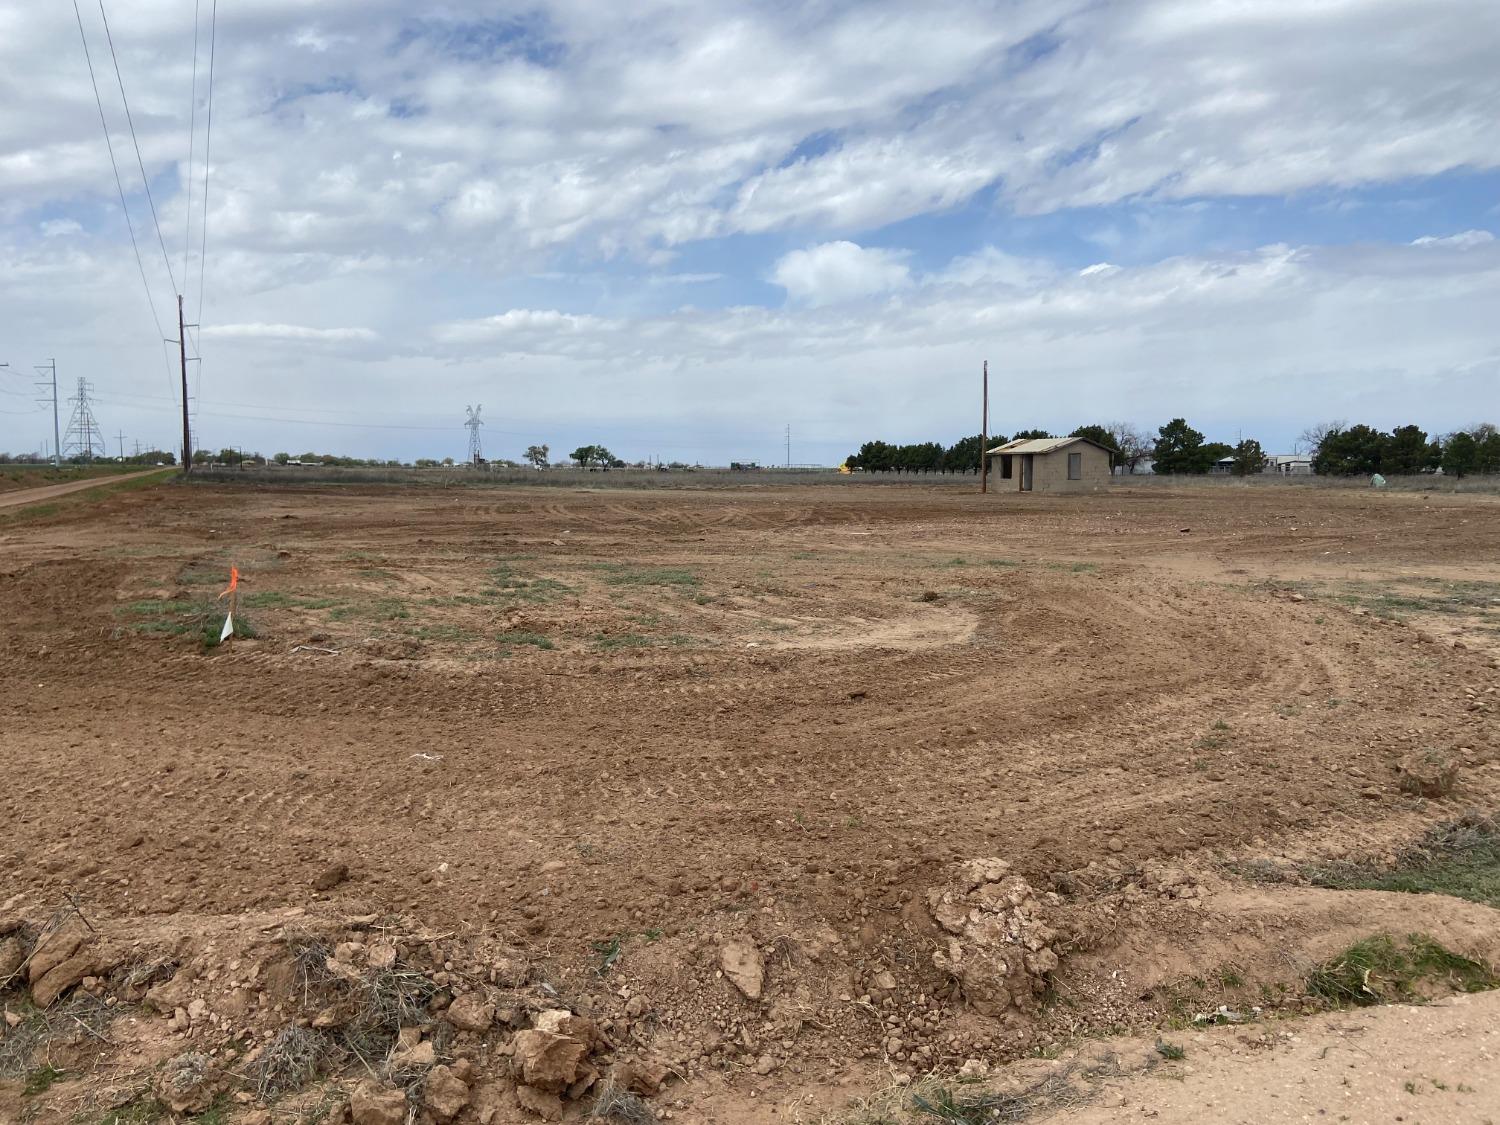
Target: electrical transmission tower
column 48, row 386
column 83, row 438
column 476, row 452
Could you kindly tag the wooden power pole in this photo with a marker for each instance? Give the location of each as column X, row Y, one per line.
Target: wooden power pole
column 984, row 435
column 187, row 440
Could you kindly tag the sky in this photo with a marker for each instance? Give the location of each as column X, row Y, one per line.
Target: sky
column 677, row 229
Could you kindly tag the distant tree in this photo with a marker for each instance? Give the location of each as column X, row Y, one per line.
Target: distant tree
column 1406, row 451
column 1460, row 455
column 1249, row 458
column 963, row 455
column 282, row 458
column 1179, row 449
column 448, row 461
column 537, row 456
column 202, row 457
column 426, row 463
column 1355, row 451
column 1134, row 446
column 229, row 456
column 1313, row 437
column 1215, row 451
column 1487, row 448
column 1027, row 435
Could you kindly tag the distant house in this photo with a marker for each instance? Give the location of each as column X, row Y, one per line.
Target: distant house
column 1223, row 465
column 1290, row 464
column 1071, row 464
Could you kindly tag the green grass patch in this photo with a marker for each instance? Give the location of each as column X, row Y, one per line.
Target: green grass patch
column 143, row 1111
column 273, row 599
column 381, row 609
column 1459, row 858
column 507, row 585
column 522, row 637
column 1380, row 970
column 39, row 1080
column 623, row 574
column 180, row 617
column 610, row 641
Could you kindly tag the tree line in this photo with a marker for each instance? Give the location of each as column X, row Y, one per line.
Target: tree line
column 1335, row 449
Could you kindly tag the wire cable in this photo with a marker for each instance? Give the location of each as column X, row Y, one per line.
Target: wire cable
column 187, row 211
column 145, row 180
column 120, row 187
column 208, row 137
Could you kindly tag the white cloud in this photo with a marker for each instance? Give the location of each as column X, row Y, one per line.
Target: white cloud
column 1467, row 238
column 285, row 332
column 839, row 271
column 60, row 228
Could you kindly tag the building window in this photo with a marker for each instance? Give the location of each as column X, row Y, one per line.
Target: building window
column 1005, row 469
column 1075, row 466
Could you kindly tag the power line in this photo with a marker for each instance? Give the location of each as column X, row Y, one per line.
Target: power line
column 120, row 185
column 208, row 137
column 145, row 180
column 187, row 211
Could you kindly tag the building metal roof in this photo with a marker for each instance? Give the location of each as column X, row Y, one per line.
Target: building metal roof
column 1044, row 445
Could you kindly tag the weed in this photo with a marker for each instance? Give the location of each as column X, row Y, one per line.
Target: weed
column 653, row 934
column 217, row 1113
column 506, row 584
column 621, row 574
column 942, row 1105
column 1220, row 724
column 1459, row 858
column 854, row 822
column 1377, row 970
column 609, row 952
column 1001, row 562
column 144, row 1110
column 521, row 637
column 1172, row 1051
column 288, row 1062
column 1409, row 1086
column 274, row 599
column 614, row 1104
column 39, row 1080
column 609, row 641
column 1229, row 977
column 1211, row 742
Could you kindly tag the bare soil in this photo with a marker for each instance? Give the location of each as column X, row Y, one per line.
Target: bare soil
column 607, row 734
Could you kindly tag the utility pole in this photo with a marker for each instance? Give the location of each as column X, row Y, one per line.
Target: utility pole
column 50, row 368
column 120, row 437
column 187, row 438
column 984, row 435
column 788, row 445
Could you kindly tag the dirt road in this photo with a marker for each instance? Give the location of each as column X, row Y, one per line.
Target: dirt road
column 23, row 496
column 616, row 731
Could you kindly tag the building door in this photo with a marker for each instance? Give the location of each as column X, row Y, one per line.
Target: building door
column 1026, row 471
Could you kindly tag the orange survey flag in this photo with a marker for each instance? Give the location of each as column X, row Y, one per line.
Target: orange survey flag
column 234, row 581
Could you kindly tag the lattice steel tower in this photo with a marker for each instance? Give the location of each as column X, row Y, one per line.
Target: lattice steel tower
column 476, row 452
column 83, row 438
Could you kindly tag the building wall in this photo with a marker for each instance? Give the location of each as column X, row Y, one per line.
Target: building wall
column 1050, row 471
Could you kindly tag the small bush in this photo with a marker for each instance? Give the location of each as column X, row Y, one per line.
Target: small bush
column 1377, row 970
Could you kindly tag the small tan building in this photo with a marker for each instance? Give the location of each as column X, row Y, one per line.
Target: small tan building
column 1069, row 464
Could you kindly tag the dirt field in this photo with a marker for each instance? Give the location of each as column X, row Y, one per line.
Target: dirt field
column 700, row 766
